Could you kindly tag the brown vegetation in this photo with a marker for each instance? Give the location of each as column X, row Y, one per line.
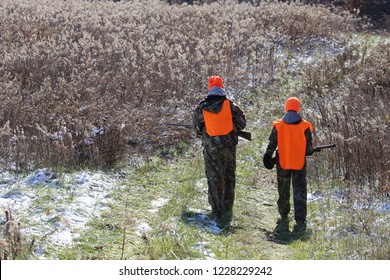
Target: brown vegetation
column 11, row 245
column 84, row 82
column 351, row 95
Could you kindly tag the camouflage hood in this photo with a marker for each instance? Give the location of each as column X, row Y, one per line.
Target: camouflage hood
column 212, row 103
column 218, row 91
column 292, row 117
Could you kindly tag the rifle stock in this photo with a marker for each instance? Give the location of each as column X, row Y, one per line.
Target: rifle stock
column 243, row 134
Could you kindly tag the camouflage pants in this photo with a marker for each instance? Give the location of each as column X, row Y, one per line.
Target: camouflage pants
column 298, row 178
column 220, row 167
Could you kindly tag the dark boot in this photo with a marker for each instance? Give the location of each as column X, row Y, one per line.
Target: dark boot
column 282, row 225
column 225, row 219
column 300, row 226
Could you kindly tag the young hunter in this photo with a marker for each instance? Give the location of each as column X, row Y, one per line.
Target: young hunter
column 217, row 119
column 292, row 136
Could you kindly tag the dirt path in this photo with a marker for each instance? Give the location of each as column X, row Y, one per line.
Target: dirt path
column 255, row 213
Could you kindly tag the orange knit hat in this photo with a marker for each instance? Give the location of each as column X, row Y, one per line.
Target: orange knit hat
column 293, row 104
column 215, row 81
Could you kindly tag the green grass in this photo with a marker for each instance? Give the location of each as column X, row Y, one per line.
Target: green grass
column 165, row 194
column 169, row 198
column 183, row 185
column 336, row 231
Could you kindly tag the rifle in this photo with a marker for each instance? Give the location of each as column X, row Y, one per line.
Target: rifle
column 243, row 134
column 319, row 148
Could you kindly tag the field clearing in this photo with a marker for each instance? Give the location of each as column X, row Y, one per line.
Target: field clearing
column 91, row 170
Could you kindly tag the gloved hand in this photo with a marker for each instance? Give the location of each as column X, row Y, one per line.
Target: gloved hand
column 268, row 161
column 310, row 152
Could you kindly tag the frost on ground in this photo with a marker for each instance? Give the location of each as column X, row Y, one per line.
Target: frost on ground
column 343, row 204
column 143, row 229
column 196, row 218
column 379, row 205
column 158, row 203
column 207, row 252
column 54, row 208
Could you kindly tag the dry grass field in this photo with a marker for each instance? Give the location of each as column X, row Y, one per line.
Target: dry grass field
column 84, row 82
column 91, row 85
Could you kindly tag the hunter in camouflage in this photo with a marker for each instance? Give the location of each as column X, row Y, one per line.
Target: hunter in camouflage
column 219, row 150
column 292, row 136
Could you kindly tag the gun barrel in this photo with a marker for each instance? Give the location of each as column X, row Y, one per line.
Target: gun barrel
column 177, row 124
column 325, row 146
column 319, row 148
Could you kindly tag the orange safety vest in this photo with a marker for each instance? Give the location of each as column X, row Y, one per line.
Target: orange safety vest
column 220, row 123
column 292, row 143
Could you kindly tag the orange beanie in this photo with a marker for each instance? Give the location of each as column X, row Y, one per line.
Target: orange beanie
column 293, row 104
column 215, row 81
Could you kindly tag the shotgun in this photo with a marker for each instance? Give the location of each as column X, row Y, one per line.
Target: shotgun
column 243, row 134
column 319, row 148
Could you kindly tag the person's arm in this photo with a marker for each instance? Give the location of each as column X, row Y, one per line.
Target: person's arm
column 268, row 160
column 273, row 142
column 309, row 142
column 239, row 119
column 198, row 121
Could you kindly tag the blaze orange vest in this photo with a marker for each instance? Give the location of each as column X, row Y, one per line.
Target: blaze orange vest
column 292, row 143
column 220, row 123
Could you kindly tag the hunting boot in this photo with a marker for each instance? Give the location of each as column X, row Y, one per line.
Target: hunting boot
column 282, row 225
column 300, row 226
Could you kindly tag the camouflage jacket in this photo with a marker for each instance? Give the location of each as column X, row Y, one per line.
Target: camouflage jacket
column 214, row 104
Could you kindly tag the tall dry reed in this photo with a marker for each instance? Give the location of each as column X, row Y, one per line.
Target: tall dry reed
column 351, row 97
column 86, row 82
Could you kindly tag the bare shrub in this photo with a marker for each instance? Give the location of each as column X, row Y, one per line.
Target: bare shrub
column 11, row 246
column 373, row 8
column 377, row 11
column 351, row 94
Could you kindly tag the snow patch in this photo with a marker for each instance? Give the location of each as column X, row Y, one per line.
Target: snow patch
column 201, row 183
column 379, row 205
column 158, row 204
column 207, row 252
column 143, row 229
column 83, row 178
column 384, row 208
column 39, row 177
column 59, row 206
column 313, row 196
column 204, row 222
